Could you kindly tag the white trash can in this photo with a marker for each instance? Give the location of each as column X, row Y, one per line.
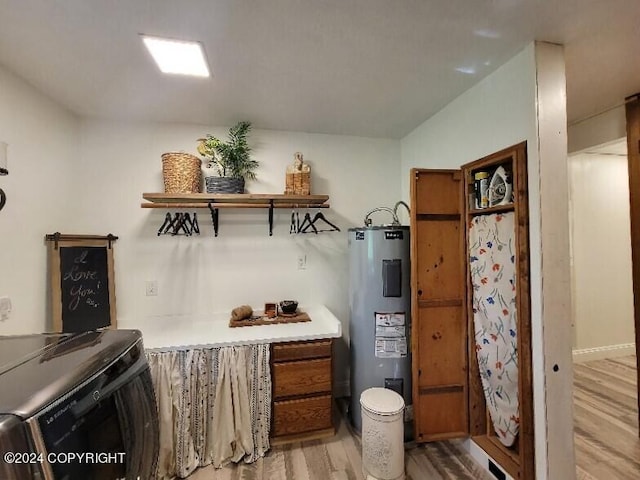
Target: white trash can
column 382, row 434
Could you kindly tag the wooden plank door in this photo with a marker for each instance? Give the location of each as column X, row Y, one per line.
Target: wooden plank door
column 439, row 323
column 633, row 155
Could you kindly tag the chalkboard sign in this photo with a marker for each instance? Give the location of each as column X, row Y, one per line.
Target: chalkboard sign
column 82, row 283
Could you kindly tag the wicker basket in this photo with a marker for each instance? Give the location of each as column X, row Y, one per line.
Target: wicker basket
column 224, row 184
column 181, row 172
column 298, row 183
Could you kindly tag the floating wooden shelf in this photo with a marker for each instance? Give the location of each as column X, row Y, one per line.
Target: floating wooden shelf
column 215, row 201
column 232, row 205
column 233, row 200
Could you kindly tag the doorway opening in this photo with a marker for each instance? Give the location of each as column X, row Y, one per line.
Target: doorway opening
column 604, row 352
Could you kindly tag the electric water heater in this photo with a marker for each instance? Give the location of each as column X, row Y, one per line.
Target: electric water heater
column 380, row 316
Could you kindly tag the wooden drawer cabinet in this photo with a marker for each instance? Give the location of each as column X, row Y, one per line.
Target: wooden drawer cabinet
column 301, row 350
column 304, row 377
column 302, row 390
column 302, row 415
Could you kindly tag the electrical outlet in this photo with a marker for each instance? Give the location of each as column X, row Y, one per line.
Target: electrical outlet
column 302, row 262
column 5, row 308
column 152, row 288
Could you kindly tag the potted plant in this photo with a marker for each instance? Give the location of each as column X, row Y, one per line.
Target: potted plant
column 230, row 160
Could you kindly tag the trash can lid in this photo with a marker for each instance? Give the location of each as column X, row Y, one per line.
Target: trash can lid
column 381, row 401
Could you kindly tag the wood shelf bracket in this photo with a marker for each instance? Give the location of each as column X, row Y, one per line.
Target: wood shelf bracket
column 271, row 217
column 215, row 217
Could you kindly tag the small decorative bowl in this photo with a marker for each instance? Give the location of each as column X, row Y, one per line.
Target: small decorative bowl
column 288, row 306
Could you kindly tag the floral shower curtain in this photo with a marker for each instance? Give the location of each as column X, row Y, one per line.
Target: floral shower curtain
column 493, row 276
column 214, row 406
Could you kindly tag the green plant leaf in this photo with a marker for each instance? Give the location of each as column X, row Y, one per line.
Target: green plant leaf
column 233, row 157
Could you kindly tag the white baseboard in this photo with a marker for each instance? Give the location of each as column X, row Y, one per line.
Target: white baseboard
column 607, row 351
column 480, row 456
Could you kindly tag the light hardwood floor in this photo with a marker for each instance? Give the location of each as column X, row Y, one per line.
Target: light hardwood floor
column 606, row 420
column 606, row 441
column 339, row 458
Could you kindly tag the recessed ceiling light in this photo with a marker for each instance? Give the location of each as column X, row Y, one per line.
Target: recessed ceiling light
column 466, row 70
column 177, row 56
column 486, row 33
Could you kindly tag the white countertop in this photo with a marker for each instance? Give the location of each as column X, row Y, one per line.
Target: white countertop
column 214, row 331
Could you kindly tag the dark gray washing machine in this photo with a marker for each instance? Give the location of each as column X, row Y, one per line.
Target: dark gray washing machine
column 77, row 406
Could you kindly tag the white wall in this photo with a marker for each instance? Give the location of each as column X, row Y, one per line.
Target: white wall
column 88, row 176
column 243, row 265
column 597, row 130
column 503, row 109
column 41, row 196
column 602, row 282
column 494, row 114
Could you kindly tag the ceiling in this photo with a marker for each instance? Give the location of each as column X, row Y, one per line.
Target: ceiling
column 375, row 68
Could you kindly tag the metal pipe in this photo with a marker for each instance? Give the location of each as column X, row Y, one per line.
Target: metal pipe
column 367, row 220
column 395, row 208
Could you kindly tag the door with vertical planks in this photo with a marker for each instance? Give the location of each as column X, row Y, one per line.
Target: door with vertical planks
column 632, row 107
column 439, row 327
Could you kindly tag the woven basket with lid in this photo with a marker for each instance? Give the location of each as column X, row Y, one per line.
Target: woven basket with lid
column 181, row 172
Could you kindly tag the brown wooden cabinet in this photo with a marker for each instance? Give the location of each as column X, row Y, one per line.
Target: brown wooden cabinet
column 302, row 390
column 448, row 396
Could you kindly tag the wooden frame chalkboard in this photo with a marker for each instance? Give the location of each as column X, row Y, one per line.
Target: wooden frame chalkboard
column 81, row 282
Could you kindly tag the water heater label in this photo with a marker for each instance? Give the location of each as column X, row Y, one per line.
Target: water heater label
column 391, row 347
column 391, row 337
column 394, row 235
column 390, row 331
column 359, row 235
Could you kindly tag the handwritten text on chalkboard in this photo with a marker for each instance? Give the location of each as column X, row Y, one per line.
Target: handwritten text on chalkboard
column 85, row 288
column 82, row 291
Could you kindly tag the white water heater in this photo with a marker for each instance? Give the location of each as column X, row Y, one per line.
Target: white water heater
column 380, row 315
